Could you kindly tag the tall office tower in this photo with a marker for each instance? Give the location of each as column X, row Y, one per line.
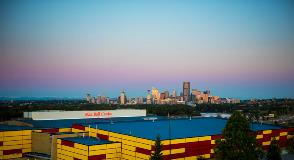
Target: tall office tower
column 148, row 98
column 88, row 98
column 166, row 94
column 186, row 91
column 174, row 93
column 123, row 98
column 103, row 100
column 162, row 96
column 155, row 95
column 98, row 99
column 93, row 100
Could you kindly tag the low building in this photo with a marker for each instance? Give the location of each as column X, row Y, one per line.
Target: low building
column 127, row 138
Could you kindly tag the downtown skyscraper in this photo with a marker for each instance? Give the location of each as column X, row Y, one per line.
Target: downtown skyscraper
column 186, row 91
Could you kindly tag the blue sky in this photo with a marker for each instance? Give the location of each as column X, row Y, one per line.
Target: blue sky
column 235, row 48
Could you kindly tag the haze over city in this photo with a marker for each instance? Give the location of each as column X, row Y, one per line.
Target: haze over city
column 241, row 49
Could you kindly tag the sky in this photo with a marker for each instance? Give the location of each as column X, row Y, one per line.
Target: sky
column 67, row 48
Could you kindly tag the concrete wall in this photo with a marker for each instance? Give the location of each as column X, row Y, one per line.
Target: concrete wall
column 41, row 143
column 46, row 143
column 52, row 115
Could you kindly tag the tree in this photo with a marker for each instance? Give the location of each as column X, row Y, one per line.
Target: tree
column 157, row 155
column 274, row 151
column 239, row 142
column 290, row 143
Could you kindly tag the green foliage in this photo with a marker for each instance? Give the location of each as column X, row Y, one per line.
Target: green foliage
column 253, row 115
column 290, row 143
column 239, row 142
column 157, row 155
column 274, row 152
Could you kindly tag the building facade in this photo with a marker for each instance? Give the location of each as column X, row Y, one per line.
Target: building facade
column 186, row 91
column 123, row 98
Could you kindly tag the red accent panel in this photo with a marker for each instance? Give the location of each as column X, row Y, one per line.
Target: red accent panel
column 266, row 137
column 97, row 157
column 52, row 130
column 103, row 137
column 275, row 133
column 174, row 156
column 178, row 155
column 199, row 144
column 287, row 129
column 12, row 151
column 77, row 126
column 282, row 141
column 143, row 151
column 153, row 148
column 1, row 143
column 214, row 137
column 166, row 147
column 174, row 146
column 179, row 145
column 67, row 143
column 197, row 151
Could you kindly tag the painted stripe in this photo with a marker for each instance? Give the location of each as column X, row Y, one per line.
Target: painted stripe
column 77, row 126
column 174, row 156
column 143, row 151
column 52, row 130
column 275, row 133
column 197, row 151
column 103, row 137
column 214, row 137
column 97, row 157
column 199, row 144
column 67, row 143
column 12, row 151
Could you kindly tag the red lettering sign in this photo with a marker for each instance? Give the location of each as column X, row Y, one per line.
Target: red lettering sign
column 98, row 114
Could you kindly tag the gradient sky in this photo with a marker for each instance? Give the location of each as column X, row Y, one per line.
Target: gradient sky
column 235, row 48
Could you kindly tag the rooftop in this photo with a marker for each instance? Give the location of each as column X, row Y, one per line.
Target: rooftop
column 179, row 128
column 89, row 141
column 4, row 127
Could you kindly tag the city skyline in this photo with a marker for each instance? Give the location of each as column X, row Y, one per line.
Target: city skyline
column 240, row 49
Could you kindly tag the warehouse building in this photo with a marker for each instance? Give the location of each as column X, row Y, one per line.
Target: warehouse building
column 123, row 138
